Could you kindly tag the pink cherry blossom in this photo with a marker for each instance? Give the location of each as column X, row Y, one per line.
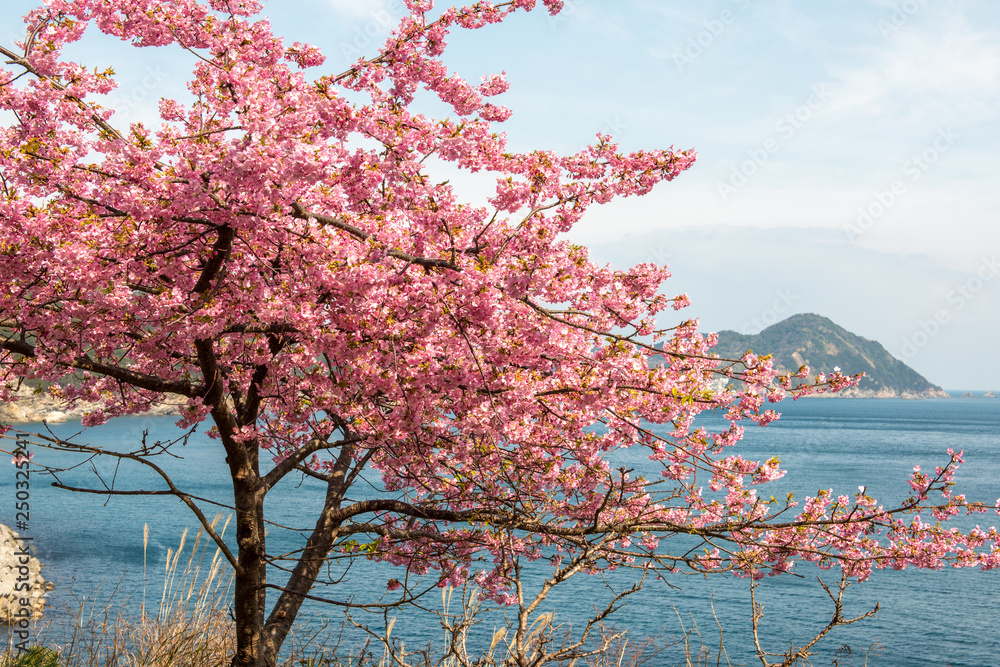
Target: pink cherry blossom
column 278, row 255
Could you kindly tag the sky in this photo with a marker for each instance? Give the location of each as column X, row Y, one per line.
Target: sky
column 847, row 150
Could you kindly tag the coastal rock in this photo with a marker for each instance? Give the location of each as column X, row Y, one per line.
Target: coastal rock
column 32, row 405
column 885, row 392
column 990, row 394
column 21, row 579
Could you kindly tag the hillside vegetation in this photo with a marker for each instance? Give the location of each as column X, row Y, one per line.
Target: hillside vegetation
column 813, row 340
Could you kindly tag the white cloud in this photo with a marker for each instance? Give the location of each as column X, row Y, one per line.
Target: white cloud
column 942, row 66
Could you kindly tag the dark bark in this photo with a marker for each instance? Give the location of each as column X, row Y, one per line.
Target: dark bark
column 124, row 375
column 251, row 576
column 248, row 491
column 249, row 585
column 304, row 574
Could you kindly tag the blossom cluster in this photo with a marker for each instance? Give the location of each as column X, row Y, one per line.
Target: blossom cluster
column 277, row 252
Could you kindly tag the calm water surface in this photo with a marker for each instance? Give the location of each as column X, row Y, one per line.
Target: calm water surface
column 950, row 617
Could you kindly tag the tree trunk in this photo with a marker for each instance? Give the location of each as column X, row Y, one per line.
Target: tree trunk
column 303, row 576
column 249, row 586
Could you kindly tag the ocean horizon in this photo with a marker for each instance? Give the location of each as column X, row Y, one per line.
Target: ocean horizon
column 92, row 545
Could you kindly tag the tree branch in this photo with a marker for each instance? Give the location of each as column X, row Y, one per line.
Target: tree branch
column 301, row 454
column 128, row 376
column 300, row 212
column 173, row 490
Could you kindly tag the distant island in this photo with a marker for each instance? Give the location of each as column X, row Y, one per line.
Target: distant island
column 804, row 339
column 813, row 340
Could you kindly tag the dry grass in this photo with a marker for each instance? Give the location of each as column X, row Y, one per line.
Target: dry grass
column 192, row 627
column 608, row 647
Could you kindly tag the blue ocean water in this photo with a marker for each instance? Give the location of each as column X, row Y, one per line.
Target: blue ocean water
column 93, row 544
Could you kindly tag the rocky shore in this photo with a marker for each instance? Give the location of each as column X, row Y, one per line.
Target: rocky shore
column 37, row 407
column 886, row 392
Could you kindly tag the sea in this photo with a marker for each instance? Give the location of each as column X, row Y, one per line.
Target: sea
column 92, row 545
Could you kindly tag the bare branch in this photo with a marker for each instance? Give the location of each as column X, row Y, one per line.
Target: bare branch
column 140, row 458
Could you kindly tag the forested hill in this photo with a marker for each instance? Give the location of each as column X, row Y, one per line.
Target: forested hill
column 813, row 340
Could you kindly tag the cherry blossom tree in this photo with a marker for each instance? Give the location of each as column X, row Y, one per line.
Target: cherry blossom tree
column 278, row 256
